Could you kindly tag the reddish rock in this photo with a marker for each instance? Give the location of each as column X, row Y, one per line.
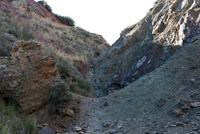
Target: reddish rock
column 27, row 75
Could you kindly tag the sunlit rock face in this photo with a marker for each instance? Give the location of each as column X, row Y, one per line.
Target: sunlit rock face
column 147, row 45
column 27, row 75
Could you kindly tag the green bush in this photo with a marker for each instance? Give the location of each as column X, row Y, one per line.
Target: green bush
column 59, row 97
column 66, row 20
column 45, row 4
column 77, row 84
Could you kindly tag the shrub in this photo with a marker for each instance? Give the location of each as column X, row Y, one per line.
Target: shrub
column 66, row 20
column 77, row 84
column 5, row 47
column 59, row 97
column 21, row 32
column 45, row 4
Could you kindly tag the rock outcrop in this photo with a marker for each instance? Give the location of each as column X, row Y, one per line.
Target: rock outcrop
column 147, row 45
column 27, row 75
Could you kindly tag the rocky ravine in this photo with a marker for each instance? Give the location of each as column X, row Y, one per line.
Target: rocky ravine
column 155, row 63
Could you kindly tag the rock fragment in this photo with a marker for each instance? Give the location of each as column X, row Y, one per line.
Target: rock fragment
column 195, row 104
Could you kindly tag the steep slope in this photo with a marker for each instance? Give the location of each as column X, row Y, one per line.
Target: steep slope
column 146, row 45
column 164, row 101
column 27, row 19
column 30, row 81
column 46, row 78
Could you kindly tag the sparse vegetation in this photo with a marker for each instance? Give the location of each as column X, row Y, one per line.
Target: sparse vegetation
column 98, row 41
column 30, row 126
column 73, row 78
column 14, row 122
column 20, row 32
column 11, row 26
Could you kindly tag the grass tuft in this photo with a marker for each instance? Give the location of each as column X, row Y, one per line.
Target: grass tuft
column 12, row 122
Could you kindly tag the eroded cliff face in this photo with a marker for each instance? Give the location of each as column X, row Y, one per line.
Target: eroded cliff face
column 147, row 45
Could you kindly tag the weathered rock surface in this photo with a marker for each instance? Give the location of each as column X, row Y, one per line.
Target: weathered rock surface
column 164, row 101
column 27, row 75
column 147, row 45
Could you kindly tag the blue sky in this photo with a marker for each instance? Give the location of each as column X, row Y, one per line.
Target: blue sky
column 105, row 17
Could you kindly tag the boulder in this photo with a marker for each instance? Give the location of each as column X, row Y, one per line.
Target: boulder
column 10, row 37
column 27, row 75
column 46, row 130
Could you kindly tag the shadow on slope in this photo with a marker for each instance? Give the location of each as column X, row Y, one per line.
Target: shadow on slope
column 157, row 101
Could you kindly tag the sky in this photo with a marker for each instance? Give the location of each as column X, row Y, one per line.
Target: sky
column 105, row 17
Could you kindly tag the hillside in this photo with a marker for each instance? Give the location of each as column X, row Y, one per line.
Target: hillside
column 27, row 19
column 147, row 82
column 43, row 67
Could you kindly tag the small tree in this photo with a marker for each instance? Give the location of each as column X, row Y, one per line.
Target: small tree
column 45, row 4
column 66, row 20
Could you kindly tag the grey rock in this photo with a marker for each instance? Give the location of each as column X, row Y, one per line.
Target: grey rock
column 46, row 130
column 10, row 37
column 106, row 124
column 112, row 131
column 195, row 129
column 193, row 80
column 120, row 127
column 77, row 129
column 196, row 104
